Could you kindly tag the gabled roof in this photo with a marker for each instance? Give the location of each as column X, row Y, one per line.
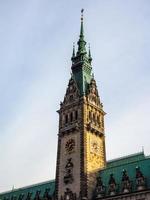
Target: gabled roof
column 22, row 193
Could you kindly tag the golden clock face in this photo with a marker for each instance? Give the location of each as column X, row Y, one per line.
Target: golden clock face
column 70, row 145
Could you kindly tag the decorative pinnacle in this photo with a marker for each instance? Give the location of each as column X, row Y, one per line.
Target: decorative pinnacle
column 90, row 58
column 73, row 52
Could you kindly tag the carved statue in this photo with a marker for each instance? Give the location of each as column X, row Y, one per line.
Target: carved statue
column 126, row 183
column 140, row 179
column 112, row 185
column 68, row 178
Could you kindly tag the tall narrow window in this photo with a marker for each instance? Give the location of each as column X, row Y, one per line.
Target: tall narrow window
column 90, row 116
column 71, row 117
column 66, row 119
column 98, row 121
column 94, row 118
column 76, row 115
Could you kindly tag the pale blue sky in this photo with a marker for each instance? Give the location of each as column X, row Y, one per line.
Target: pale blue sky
column 36, row 38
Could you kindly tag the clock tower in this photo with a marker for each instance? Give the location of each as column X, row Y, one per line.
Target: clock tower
column 81, row 139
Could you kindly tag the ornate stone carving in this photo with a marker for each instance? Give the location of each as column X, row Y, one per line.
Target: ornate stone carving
column 100, row 189
column 140, row 179
column 126, row 183
column 70, row 145
column 68, row 178
column 112, row 186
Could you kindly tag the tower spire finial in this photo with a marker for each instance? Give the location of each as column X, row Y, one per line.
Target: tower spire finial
column 81, row 30
column 81, row 42
column 82, row 10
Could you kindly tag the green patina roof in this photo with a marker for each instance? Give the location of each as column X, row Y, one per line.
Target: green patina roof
column 128, row 163
column 33, row 189
column 81, row 63
column 125, row 160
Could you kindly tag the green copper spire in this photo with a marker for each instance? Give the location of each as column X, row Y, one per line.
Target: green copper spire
column 81, row 43
column 81, row 63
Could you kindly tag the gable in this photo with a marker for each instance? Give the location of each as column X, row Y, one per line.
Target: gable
column 72, row 92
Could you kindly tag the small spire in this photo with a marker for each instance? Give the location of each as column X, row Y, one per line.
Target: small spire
column 142, row 149
column 73, row 53
column 90, row 58
column 81, row 42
